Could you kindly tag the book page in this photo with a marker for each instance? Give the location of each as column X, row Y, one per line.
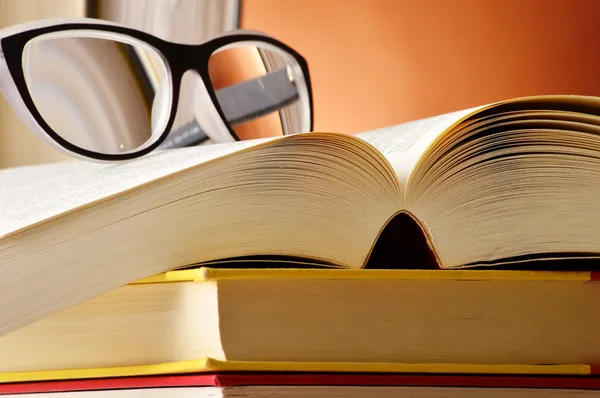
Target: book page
column 31, row 194
column 403, row 144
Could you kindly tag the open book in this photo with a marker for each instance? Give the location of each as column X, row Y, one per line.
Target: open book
column 512, row 181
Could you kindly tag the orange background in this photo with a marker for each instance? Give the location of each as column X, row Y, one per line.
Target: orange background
column 379, row 62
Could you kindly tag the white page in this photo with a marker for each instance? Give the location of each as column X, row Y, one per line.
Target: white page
column 32, row 194
column 403, row 144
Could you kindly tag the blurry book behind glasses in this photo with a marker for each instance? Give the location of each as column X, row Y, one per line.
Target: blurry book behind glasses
column 186, row 21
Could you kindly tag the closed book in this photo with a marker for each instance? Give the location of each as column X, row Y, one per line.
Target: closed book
column 300, row 320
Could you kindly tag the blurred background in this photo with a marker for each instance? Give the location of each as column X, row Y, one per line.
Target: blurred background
column 373, row 63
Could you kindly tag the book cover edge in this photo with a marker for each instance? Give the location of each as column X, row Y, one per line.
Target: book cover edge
column 230, row 379
column 210, row 365
column 206, row 274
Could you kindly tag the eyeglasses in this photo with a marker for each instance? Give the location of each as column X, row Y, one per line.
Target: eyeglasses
column 101, row 91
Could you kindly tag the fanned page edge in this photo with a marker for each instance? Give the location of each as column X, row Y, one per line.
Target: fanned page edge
column 209, row 365
column 9, row 227
column 473, row 112
column 423, row 224
column 402, row 145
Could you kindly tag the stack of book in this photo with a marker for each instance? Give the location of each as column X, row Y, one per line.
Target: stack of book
column 276, row 268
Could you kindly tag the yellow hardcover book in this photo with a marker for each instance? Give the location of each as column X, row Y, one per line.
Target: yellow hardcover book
column 208, row 320
column 209, row 365
column 499, row 183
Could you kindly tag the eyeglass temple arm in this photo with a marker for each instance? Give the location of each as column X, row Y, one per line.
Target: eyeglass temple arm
column 240, row 103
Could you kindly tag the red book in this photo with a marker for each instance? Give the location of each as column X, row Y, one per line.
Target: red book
column 306, row 379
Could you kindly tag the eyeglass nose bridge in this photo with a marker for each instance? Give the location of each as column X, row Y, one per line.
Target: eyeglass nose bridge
column 207, row 114
column 238, row 103
column 183, row 59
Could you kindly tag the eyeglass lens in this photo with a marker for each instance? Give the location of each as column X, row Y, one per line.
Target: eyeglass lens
column 92, row 93
column 259, row 90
